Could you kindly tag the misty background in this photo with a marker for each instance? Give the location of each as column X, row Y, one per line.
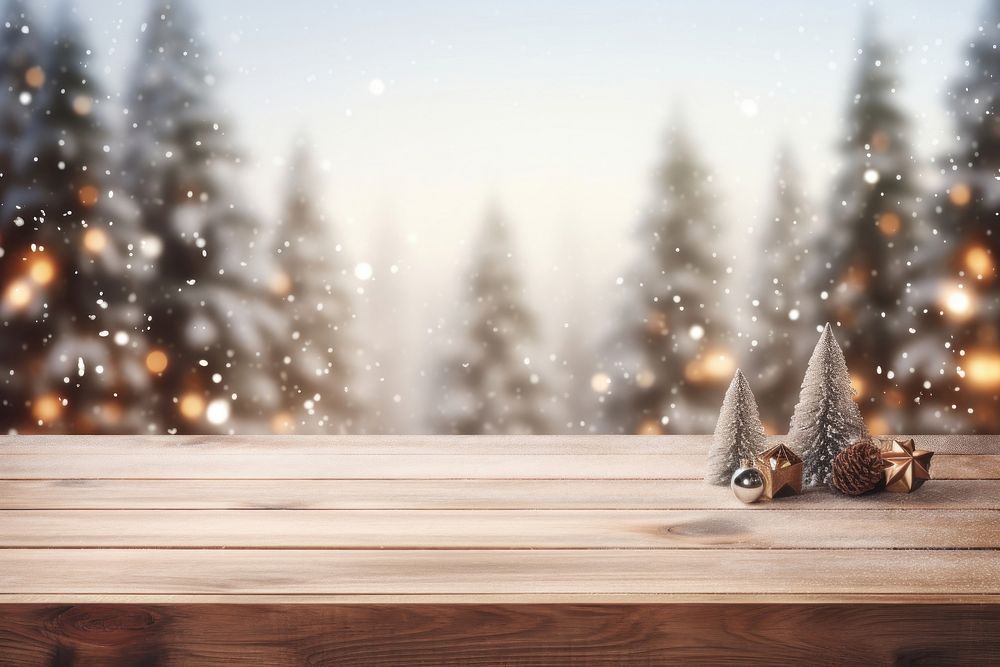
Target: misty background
column 423, row 121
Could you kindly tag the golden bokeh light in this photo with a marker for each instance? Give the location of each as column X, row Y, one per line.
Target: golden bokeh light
column 979, row 262
column 693, row 371
column 960, row 195
column 982, row 368
column 894, row 398
column 88, row 195
column 719, row 365
column 889, row 223
column 957, row 301
column 649, row 427
column 714, row 366
column 46, row 408
column 34, row 76
column 156, row 361
column 82, row 104
column 600, row 383
column 281, row 284
column 95, row 240
column 41, row 269
column 856, row 277
column 858, row 385
column 657, row 323
column 191, row 406
column 111, row 412
column 880, row 141
column 878, row 425
column 645, row 378
column 282, row 422
column 18, row 295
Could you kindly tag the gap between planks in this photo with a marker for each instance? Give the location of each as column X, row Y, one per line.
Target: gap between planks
column 498, row 598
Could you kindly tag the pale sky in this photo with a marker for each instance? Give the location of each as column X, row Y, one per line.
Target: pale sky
column 421, row 112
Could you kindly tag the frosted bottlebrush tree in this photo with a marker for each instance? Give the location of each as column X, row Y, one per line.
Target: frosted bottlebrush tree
column 826, row 418
column 739, row 435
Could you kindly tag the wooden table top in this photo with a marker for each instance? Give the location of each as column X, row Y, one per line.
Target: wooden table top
column 420, row 519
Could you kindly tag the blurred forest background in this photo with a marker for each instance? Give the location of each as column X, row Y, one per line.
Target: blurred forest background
column 141, row 292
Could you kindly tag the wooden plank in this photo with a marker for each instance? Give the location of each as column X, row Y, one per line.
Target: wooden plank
column 461, row 494
column 566, row 445
column 403, row 466
column 480, row 634
column 501, row 529
column 774, row 597
column 295, row 575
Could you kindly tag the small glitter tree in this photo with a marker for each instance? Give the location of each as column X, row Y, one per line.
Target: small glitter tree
column 739, row 435
column 826, row 419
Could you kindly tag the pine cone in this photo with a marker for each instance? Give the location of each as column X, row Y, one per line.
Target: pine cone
column 857, row 469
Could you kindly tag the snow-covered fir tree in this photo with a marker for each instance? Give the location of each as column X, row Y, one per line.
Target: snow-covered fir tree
column 21, row 77
column 783, row 311
column 209, row 324
column 954, row 357
column 670, row 359
column 739, row 435
column 861, row 260
column 70, row 243
column 490, row 377
column 826, row 418
column 314, row 354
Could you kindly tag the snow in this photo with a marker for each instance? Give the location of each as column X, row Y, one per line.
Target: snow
column 128, row 232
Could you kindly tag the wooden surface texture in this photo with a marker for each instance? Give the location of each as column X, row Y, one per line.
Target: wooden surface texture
column 495, row 550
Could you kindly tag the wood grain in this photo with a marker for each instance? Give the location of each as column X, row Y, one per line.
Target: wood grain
column 478, row 634
column 501, row 529
column 270, row 465
column 513, row 494
column 454, row 445
column 296, row 573
column 473, row 551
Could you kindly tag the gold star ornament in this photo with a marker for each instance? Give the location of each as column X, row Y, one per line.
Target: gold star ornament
column 906, row 467
column 782, row 470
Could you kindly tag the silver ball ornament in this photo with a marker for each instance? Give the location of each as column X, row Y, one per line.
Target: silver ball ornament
column 748, row 485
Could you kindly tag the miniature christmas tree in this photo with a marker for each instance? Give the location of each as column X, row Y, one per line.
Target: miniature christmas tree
column 739, row 435
column 826, row 419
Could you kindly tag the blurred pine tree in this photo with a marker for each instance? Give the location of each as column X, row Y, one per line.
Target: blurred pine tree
column 491, row 383
column 313, row 354
column 21, row 77
column 785, row 314
column 671, row 358
column 860, row 264
column 954, row 295
column 71, row 240
column 209, row 319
